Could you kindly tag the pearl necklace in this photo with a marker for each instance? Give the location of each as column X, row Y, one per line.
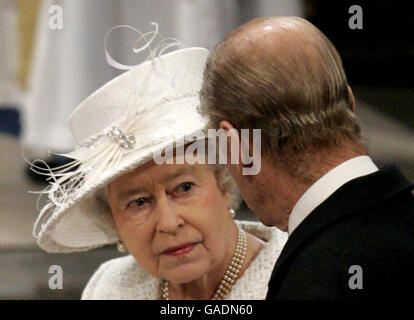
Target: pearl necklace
column 231, row 274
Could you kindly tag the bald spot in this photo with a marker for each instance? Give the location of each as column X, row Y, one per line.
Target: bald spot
column 285, row 37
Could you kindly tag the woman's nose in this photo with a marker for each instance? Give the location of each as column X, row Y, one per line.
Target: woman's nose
column 169, row 218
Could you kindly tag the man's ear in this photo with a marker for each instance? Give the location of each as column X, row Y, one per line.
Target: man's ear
column 352, row 98
column 224, row 124
column 233, row 143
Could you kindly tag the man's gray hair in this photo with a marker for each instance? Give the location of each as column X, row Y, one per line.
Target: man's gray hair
column 299, row 98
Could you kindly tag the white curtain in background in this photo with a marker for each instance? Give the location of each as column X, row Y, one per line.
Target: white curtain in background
column 205, row 23
column 280, row 8
column 69, row 64
column 9, row 88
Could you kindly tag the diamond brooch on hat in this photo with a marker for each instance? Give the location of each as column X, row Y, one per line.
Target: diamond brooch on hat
column 126, row 141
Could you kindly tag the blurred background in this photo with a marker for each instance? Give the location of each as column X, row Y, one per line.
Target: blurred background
column 52, row 57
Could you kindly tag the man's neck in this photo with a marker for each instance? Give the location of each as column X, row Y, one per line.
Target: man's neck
column 320, row 163
column 328, row 184
column 290, row 185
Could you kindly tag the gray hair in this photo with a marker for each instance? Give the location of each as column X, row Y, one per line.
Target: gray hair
column 301, row 107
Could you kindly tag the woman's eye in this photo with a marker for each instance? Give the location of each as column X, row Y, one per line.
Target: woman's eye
column 138, row 202
column 186, row 186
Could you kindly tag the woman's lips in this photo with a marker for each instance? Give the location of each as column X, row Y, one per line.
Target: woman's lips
column 180, row 250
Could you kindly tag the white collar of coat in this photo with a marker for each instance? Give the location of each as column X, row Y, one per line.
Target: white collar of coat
column 327, row 185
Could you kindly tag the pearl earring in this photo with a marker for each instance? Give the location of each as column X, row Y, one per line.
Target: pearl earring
column 232, row 213
column 120, row 246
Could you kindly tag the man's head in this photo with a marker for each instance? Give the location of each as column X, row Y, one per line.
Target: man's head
column 281, row 75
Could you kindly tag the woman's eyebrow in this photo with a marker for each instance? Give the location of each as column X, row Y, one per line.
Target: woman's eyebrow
column 123, row 195
column 181, row 171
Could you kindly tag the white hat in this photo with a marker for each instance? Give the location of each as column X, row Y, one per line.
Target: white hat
column 118, row 128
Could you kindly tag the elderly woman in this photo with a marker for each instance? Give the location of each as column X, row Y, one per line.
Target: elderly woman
column 175, row 219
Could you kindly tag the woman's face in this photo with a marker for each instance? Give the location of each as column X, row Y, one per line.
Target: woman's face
column 173, row 219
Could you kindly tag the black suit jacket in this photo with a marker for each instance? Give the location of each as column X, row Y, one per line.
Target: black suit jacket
column 368, row 222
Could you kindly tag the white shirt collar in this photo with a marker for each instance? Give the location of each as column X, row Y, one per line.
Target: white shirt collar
column 327, row 185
